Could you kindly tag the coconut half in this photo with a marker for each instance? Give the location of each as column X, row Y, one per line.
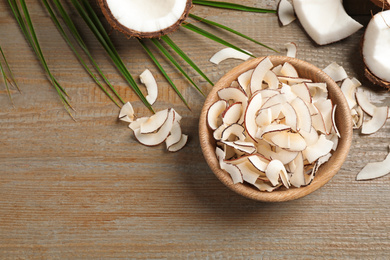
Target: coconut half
column 145, row 18
column 376, row 54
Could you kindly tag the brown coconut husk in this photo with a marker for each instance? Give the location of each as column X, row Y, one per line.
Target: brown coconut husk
column 385, row 4
column 134, row 33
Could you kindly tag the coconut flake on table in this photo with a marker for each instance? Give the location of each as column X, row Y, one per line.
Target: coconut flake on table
column 148, row 79
column 325, row 21
column 375, row 170
column 228, row 53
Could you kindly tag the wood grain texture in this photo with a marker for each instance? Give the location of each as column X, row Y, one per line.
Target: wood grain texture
column 88, row 190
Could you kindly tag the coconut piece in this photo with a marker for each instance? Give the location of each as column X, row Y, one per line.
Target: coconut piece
column 153, row 139
column 154, row 122
column 228, row 53
column 289, row 141
column 334, row 121
column 233, row 132
column 217, row 134
column 276, row 170
column 325, row 20
column 286, row 90
column 232, row 114
column 259, row 162
column 364, row 102
column 291, row 49
column 264, row 186
column 377, row 121
column 150, row 83
column 271, row 129
column 290, row 116
column 137, row 123
column 233, row 171
column 304, row 121
column 145, row 19
column 284, row 155
column 127, row 113
column 278, row 99
column 271, row 79
column 288, row 70
column 243, row 146
column 301, row 90
column 336, row 72
column 235, row 95
column 375, row 170
column 357, row 117
column 376, row 55
column 348, row 87
column 322, row 147
column 325, row 108
column 175, row 135
column 310, row 137
column 214, row 113
column 293, row 80
column 285, row 12
column 297, row 178
column 179, row 145
column 259, row 73
column 244, row 80
column 254, row 105
column 317, row 90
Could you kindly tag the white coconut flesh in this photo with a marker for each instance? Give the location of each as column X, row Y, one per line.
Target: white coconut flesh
column 146, row 16
column 376, row 51
column 287, row 130
column 325, row 21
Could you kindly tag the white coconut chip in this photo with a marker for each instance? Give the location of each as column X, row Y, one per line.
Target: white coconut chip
column 377, row 121
column 375, row 170
column 127, row 113
column 229, row 53
column 285, row 12
column 151, row 86
column 336, row 72
column 179, row 145
column 291, row 49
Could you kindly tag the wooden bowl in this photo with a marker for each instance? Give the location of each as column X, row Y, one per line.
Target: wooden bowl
column 326, row 171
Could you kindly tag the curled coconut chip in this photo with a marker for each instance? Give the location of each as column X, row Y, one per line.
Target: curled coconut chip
column 276, row 142
column 151, row 86
column 375, row 170
column 228, row 53
column 163, row 126
column 291, row 49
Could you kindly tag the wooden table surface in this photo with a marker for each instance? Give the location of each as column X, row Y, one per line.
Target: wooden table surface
column 87, row 189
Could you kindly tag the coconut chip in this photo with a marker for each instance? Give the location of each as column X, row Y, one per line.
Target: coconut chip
column 375, row 170
column 228, row 53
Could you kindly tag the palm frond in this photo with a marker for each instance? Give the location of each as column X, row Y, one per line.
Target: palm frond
column 229, row 30
column 91, row 19
column 213, row 37
column 237, row 7
column 174, row 62
column 184, row 56
column 25, row 23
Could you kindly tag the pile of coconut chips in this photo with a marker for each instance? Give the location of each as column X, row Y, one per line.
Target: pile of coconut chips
column 273, row 128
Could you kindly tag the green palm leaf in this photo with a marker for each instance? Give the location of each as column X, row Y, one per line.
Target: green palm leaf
column 182, row 54
column 229, row 30
column 174, row 62
column 232, row 6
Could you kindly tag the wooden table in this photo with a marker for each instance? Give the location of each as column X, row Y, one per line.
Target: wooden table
column 87, row 189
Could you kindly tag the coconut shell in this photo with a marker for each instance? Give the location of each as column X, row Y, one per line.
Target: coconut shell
column 374, row 79
column 134, row 33
column 385, row 4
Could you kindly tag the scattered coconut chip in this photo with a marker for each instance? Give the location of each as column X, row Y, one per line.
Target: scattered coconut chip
column 228, row 53
column 375, row 170
column 154, row 122
column 377, row 121
column 179, row 145
column 151, row 86
column 127, row 113
column 325, row 21
column 285, row 12
column 291, row 50
column 348, row 87
column 336, row 72
column 364, row 102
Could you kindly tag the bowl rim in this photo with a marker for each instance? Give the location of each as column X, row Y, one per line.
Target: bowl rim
column 325, row 172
